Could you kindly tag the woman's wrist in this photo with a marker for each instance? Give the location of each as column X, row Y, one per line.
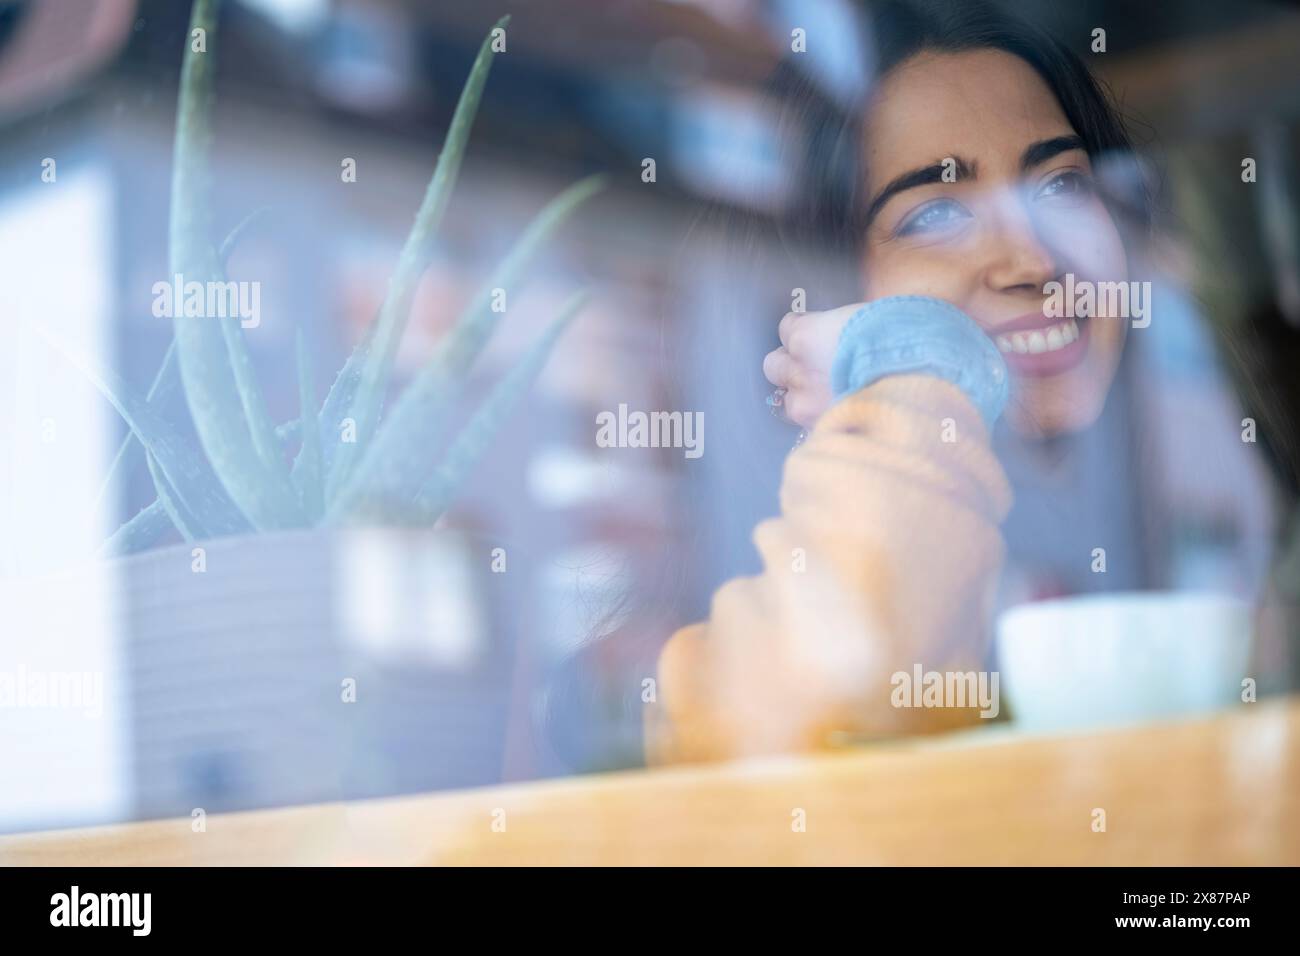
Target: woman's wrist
column 920, row 335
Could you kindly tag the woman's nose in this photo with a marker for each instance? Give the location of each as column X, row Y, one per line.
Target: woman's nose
column 1018, row 259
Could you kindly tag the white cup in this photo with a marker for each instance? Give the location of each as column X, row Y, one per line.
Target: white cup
column 1112, row 659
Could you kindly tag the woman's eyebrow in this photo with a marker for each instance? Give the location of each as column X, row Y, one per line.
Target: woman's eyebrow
column 964, row 169
column 1044, row 150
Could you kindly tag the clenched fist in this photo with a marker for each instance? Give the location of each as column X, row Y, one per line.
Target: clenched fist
column 802, row 365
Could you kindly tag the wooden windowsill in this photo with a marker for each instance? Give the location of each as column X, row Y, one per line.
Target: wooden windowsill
column 1221, row 790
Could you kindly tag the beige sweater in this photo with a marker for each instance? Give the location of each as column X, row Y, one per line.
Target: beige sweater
column 885, row 556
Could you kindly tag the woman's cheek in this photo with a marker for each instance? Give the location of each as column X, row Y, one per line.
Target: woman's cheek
column 1089, row 244
column 928, row 271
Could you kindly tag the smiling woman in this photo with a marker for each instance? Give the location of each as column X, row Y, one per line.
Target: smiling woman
column 972, row 181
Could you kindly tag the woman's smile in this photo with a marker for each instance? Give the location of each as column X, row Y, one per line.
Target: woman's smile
column 1036, row 345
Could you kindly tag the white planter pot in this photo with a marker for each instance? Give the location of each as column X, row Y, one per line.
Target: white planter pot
column 233, row 666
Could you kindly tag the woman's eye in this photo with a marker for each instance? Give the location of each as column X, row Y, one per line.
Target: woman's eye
column 1071, row 185
column 940, row 214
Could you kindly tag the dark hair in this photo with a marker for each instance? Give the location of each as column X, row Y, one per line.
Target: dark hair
column 827, row 209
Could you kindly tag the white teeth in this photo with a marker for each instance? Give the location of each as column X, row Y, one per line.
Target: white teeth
column 1051, row 339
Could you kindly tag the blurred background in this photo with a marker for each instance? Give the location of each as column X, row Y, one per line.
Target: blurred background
column 455, row 661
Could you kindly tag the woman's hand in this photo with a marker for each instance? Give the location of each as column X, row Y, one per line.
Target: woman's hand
column 802, row 365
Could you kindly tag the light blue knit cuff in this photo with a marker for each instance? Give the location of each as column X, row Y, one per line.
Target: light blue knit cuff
column 917, row 334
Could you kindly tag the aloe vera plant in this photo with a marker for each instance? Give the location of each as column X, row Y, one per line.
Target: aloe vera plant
column 240, row 476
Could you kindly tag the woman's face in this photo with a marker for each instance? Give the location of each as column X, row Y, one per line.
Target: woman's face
column 1021, row 212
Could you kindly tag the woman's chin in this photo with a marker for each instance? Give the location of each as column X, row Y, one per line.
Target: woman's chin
column 1041, row 421
column 1047, row 406
column 1044, row 406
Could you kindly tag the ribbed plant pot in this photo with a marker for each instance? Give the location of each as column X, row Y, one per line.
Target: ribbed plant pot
column 307, row 666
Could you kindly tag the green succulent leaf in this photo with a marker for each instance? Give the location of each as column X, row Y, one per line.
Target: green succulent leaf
column 309, row 480
column 395, row 462
column 473, row 440
column 376, row 363
column 149, row 524
column 338, row 403
column 194, row 489
column 167, row 379
column 244, row 226
column 147, row 531
column 166, row 374
column 186, row 523
column 253, row 403
column 229, row 414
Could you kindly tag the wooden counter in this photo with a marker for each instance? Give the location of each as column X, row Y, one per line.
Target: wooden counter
column 1217, row 790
